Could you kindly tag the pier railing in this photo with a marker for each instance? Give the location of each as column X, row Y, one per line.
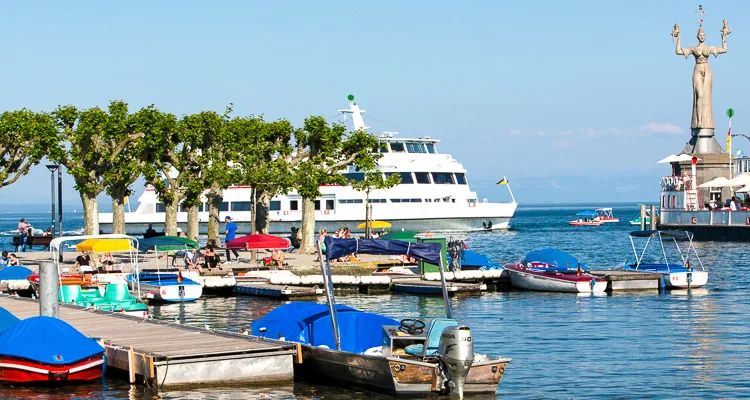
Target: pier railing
column 706, row 217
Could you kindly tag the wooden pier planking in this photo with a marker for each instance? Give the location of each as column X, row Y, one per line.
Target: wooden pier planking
column 628, row 280
column 171, row 354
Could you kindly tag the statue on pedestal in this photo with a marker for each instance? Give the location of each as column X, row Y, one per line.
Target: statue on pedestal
column 702, row 124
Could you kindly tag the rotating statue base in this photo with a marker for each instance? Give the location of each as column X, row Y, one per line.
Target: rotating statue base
column 702, row 141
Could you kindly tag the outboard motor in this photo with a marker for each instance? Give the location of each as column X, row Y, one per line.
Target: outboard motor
column 457, row 354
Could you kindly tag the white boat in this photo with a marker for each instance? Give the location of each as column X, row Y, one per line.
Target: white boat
column 434, row 195
column 682, row 275
column 548, row 270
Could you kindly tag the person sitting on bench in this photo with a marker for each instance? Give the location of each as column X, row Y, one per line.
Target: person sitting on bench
column 192, row 260
column 83, row 262
column 107, row 261
column 277, row 257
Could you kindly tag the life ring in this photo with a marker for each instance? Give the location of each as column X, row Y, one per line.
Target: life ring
column 164, row 292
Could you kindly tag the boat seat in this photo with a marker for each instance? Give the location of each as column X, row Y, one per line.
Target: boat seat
column 73, row 294
column 434, row 331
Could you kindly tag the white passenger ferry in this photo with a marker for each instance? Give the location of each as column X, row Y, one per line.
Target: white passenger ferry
column 434, row 195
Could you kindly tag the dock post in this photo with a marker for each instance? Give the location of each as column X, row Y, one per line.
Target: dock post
column 643, row 217
column 48, row 290
column 652, row 225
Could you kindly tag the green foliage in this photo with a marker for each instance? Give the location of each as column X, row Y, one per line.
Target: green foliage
column 25, row 137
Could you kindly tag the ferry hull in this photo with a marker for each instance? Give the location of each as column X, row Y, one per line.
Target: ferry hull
column 417, row 225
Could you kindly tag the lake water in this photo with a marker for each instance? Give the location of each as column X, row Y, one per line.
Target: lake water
column 632, row 345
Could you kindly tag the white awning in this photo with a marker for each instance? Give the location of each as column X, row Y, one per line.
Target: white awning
column 718, row 182
column 673, row 158
column 740, row 180
column 745, row 189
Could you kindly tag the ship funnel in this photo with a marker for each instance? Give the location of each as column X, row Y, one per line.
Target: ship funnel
column 457, row 355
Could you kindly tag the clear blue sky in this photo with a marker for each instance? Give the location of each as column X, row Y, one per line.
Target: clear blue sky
column 572, row 101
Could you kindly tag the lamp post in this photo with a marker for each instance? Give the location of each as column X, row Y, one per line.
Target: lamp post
column 52, row 168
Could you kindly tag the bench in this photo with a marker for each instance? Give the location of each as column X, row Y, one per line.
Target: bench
column 32, row 241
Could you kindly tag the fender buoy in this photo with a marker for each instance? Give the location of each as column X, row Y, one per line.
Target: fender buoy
column 164, row 292
column 487, row 225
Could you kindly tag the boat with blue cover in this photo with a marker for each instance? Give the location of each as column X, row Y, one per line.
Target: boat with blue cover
column 676, row 275
column 350, row 347
column 554, row 270
column 48, row 350
column 7, row 319
column 13, row 278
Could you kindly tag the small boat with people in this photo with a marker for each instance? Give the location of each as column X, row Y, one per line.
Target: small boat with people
column 45, row 350
column 165, row 285
column 675, row 275
column 605, row 215
column 409, row 357
column 586, row 218
column 553, row 270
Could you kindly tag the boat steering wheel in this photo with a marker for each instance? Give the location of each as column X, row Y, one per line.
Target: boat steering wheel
column 412, row 326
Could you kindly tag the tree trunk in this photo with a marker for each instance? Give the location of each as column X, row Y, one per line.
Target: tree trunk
column 263, row 202
column 193, row 223
column 170, row 217
column 307, row 232
column 90, row 214
column 118, row 214
column 214, row 202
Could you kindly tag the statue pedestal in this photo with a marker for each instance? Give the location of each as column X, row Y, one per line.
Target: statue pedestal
column 702, row 141
column 710, row 167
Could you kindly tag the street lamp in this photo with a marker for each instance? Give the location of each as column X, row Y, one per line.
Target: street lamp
column 52, row 168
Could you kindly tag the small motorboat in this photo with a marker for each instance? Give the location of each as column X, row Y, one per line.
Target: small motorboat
column 115, row 297
column 352, row 348
column 549, row 270
column 586, row 218
column 682, row 275
column 14, row 279
column 605, row 215
column 48, row 350
column 637, row 221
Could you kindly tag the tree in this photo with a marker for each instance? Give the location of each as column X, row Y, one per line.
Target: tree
column 373, row 180
column 125, row 169
column 25, row 137
column 324, row 150
column 95, row 140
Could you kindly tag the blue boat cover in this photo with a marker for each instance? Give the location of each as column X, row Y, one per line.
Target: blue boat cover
column 473, row 259
column 427, row 252
column 555, row 257
column 678, row 235
column 47, row 340
column 7, row 319
column 587, row 214
column 14, row 273
column 310, row 323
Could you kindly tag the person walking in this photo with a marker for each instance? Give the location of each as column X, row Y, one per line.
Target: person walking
column 230, row 230
column 23, row 231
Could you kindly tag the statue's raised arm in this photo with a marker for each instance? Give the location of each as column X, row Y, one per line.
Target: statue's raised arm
column 676, row 35
column 725, row 31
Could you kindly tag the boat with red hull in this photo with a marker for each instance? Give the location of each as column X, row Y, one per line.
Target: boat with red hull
column 550, row 270
column 47, row 350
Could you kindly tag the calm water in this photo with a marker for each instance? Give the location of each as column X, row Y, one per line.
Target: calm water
column 636, row 345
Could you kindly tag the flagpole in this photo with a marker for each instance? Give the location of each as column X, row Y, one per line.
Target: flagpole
column 730, row 114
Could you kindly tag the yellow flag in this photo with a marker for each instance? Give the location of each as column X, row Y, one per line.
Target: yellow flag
column 729, row 141
column 502, row 181
column 126, row 200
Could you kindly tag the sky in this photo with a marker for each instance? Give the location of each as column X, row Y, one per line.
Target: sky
column 571, row 101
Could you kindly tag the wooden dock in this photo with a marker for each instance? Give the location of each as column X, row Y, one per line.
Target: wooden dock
column 277, row 291
column 628, row 280
column 169, row 354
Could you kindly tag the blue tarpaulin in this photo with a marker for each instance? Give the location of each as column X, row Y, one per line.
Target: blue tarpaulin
column 47, row 340
column 555, row 257
column 427, row 252
column 14, row 273
column 471, row 259
column 310, row 323
column 7, row 319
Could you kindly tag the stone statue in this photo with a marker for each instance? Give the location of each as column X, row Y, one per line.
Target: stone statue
column 702, row 77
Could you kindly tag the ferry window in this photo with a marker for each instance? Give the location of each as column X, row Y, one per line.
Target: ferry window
column 160, row 207
column 431, row 148
column 405, row 177
column 241, row 206
column 422, row 177
column 350, row 201
column 395, row 200
column 437, row 200
column 415, row 200
column 329, row 204
column 397, row 147
column 383, row 148
column 355, row 176
column 317, row 205
column 442, row 178
column 428, row 200
column 461, row 178
column 294, row 205
column 224, row 206
column 376, row 201
column 275, row 205
column 415, row 147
